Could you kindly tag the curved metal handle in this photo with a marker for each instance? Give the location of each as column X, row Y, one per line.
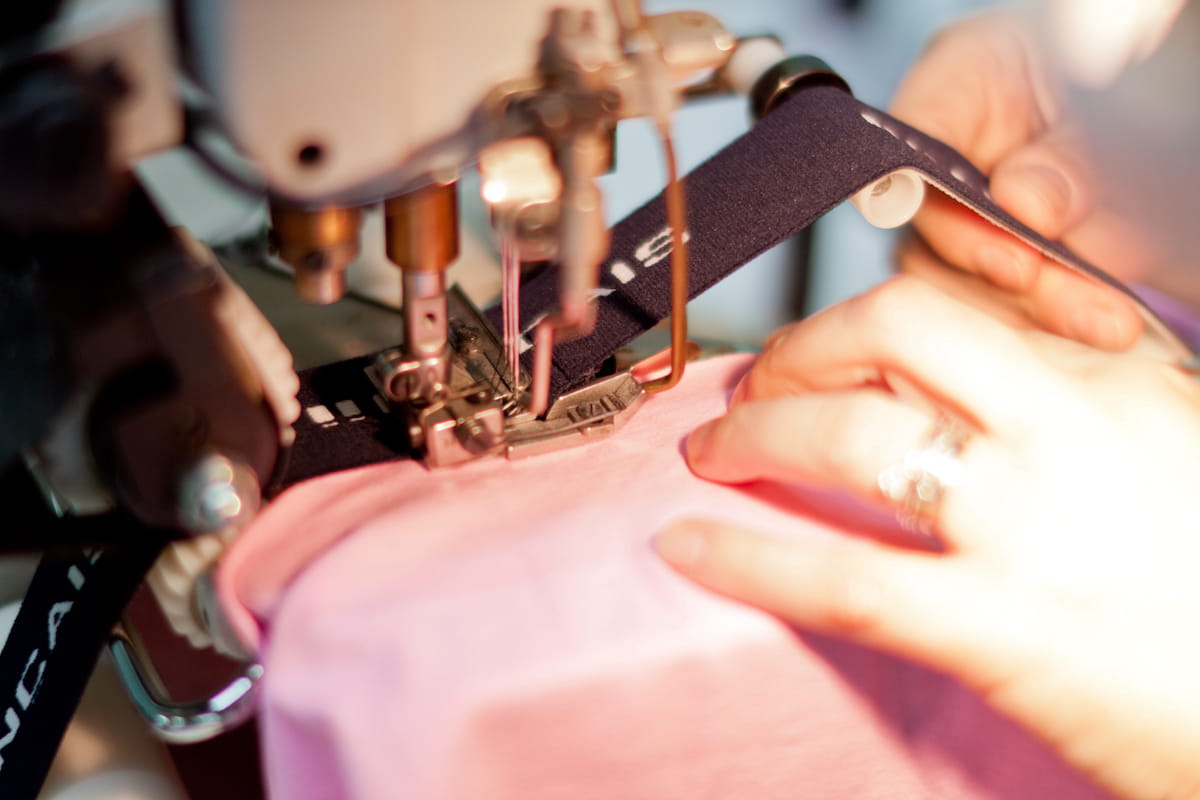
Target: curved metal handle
column 182, row 722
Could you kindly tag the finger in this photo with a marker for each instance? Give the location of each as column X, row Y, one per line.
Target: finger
column 851, row 440
column 922, row 607
column 1044, row 184
column 964, row 239
column 1007, row 305
column 960, row 358
column 980, row 88
column 1077, row 307
column 848, row 440
column 1057, row 300
column 1122, row 247
column 836, row 438
column 1047, row 183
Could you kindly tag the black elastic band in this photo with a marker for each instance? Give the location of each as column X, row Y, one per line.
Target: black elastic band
column 818, row 148
column 342, row 424
column 67, row 615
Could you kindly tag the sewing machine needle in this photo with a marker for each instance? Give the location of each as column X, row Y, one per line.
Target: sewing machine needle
column 510, row 265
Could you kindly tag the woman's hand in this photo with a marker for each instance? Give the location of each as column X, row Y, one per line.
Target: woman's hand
column 1066, row 590
column 983, row 88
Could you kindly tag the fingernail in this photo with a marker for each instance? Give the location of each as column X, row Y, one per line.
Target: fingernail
column 1052, row 188
column 1006, row 266
column 683, row 544
column 1098, row 327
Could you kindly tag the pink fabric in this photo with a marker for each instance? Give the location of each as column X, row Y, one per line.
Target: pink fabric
column 504, row 630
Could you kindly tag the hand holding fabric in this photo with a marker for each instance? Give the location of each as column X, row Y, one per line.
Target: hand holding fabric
column 1063, row 590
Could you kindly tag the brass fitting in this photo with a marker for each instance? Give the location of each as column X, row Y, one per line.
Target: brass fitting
column 319, row 244
column 421, row 228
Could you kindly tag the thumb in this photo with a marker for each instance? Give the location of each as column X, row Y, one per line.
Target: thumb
column 982, row 88
column 1047, row 183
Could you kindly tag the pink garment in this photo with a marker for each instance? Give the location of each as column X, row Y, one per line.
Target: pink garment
column 505, row 630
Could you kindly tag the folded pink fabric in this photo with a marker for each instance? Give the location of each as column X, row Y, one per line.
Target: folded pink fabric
column 505, row 630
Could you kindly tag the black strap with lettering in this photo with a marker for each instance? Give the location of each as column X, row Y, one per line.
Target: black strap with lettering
column 815, row 150
column 71, row 606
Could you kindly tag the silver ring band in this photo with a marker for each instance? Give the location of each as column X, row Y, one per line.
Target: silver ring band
column 917, row 483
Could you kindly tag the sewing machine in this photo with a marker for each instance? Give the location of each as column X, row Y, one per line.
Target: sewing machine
column 135, row 421
column 154, row 395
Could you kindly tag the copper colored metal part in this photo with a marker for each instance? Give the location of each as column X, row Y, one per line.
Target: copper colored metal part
column 319, row 244
column 422, row 228
column 677, row 220
column 658, row 364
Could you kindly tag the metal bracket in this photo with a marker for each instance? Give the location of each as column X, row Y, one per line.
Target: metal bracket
column 177, row 722
column 484, row 411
